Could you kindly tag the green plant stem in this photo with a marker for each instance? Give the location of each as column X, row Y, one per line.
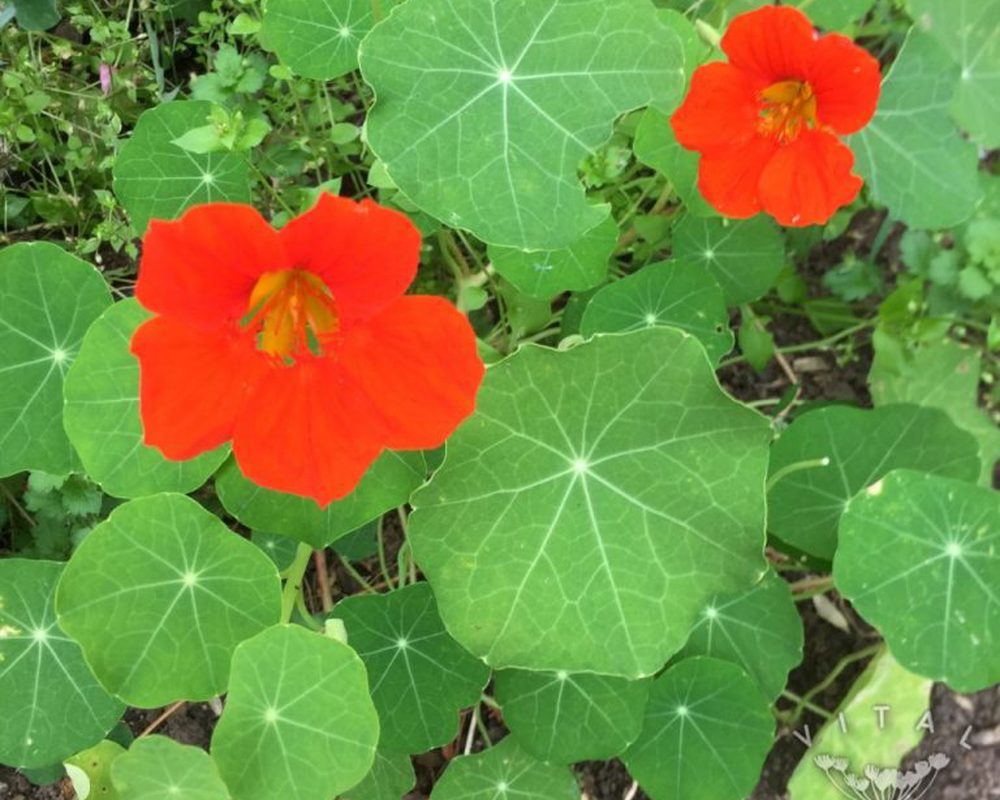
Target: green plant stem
column 366, row 587
column 819, row 344
column 801, row 702
column 798, row 466
column 293, row 580
column 305, row 613
column 383, row 565
column 805, row 701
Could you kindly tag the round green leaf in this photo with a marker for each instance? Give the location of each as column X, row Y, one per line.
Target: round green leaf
column 759, row 630
column 50, row 701
column 157, row 179
column 48, row 298
column 970, row 32
column 318, row 40
column 158, row 768
column 919, row 557
column 37, row 15
column 387, row 484
column 504, row 771
column 544, row 273
column 298, row 721
column 744, row 256
column 667, row 293
column 280, row 549
column 804, row 505
column 592, row 504
column 911, row 155
column 101, row 415
column 485, row 108
column 420, row 676
column 706, row 734
column 563, row 717
column 159, row 595
column 390, row 778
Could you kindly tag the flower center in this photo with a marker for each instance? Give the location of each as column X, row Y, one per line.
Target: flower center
column 786, row 108
column 292, row 311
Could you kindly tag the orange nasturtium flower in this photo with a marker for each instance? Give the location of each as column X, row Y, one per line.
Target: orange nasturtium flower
column 298, row 345
column 767, row 122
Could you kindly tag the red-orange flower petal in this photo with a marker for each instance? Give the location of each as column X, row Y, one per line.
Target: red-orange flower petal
column 729, row 181
column 809, row 179
column 365, row 253
column 203, row 266
column 192, row 384
column 721, row 109
column 305, row 431
column 417, row 363
column 772, row 43
column 846, row 80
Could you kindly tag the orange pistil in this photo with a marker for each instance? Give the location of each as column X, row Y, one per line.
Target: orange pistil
column 293, row 311
column 787, row 107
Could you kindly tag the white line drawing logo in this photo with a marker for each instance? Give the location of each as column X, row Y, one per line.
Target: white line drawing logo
column 877, row 783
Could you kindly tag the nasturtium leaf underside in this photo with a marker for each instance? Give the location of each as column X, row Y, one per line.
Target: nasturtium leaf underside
column 562, row 717
column 911, row 155
column 48, row 298
column 504, row 771
column 102, row 420
column 158, row 768
column 387, row 484
column 941, row 375
column 317, row 38
column 157, row 179
column 544, row 273
column 390, row 778
column 859, row 736
column 420, row 676
column 50, row 701
column 744, row 256
column 706, row 733
column 165, row 631
column 759, row 630
column 592, row 504
column 485, row 108
column 298, row 720
column 804, row 506
column 919, row 557
column 970, row 31
column 683, row 296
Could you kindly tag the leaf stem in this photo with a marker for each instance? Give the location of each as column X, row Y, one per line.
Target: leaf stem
column 788, row 469
column 293, row 580
column 383, row 565
column 801, row 702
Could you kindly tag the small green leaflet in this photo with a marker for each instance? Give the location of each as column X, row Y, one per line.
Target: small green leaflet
column 667, row 293
column 581, row 266
column 48, row 298
column 50, row 701
column 758, row 630
column 158, row 768
column 970, row 32
column 504, row 771
column 911, row 155
column 919, row 557
column 298, row 721
column 592, row 504
column 485, row 108
column 744, row 256
column 562, row 717
column 156, row 179
column 390, row 778
column 804, row 505
column 317, row 38
column 90, row 771
column 387, row 484
column 706, row 733
column 166, row 631
column 867, row 736
column 420, row 676
column 101, row 415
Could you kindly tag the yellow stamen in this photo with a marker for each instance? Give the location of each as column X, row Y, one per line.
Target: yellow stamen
column 787, row 107
column 293, row 311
